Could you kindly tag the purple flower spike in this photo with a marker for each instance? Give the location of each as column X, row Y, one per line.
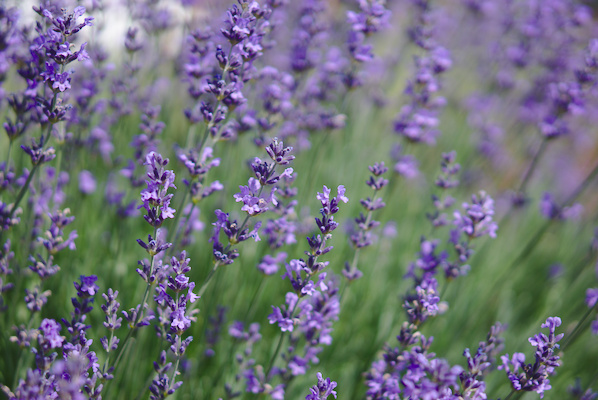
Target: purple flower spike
column 156, row 200
column 323, row 389
column 254, row 202
column 88, row 286
column 50, row 331
column 534, row 377
column 477, row 220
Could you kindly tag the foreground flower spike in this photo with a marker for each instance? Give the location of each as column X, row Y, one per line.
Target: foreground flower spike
column 323, row 389
column 173, row 301
column 472, row 384
column 534, row 377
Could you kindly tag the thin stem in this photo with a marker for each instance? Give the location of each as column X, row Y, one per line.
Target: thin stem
column 107, row 362
column 532, row 166
column 282, row 336
column 575, row 333
column 57, row 169
column 23, row 354
column 138, row 317
column 204, row 285
column 253, row 302
column 510, row 394
column 526, row 252
column 23, row 191
column 8, row 155
column 177, row 217
column 275, row 355
column 174, row 372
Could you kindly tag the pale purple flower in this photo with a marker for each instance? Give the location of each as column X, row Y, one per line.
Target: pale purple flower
column 269, row 265
column 477, row 220
column 87, row 182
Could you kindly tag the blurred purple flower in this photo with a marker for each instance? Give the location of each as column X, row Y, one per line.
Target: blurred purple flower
column 87, row 182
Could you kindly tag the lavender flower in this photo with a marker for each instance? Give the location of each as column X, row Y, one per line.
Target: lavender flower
column 534, row 377
column 323, row 389
column 269, row 265
column 472, row 384
column 413, row 373
column 87, row 182
column 551, row 210
column 477, row 220
column 361, row 235
column 156, row 200
column 254, row 202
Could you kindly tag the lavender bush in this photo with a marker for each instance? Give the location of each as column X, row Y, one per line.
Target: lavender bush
column 211, row 199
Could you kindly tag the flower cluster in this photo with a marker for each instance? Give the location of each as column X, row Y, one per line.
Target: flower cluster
column 477, row 220
column 252, row 197
column 413, row 373
column 534, row 377
column 323, row 389
column 174, row 308
column 155, row 197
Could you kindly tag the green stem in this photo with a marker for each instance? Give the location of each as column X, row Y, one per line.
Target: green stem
column 23, row 191
column 58, row 169
column 532, row 166
column 174, row 371
column 526, row 252
column 204, row 285
column 177, row 217
column 575, row 333
column 8, row 155
column 138, row 317
column 275, row 355
column 252, row 304
column 23, row 354
column 510, row 394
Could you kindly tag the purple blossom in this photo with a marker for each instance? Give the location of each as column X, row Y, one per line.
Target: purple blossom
column 254, row 202
column 323, row 389
column 156, row 200
column 592, row 297
column 50, row 331
column 551, row 210
column 534, row 377
column 87, row 182
column 269, row 265
column 477, row 220
column 282, row 317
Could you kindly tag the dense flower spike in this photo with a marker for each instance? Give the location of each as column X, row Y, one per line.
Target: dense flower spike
column 534, row 377
column 156, row 200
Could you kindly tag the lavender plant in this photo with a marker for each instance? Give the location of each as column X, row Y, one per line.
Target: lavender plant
column 95, row 109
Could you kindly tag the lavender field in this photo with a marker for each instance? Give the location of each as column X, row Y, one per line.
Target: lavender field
column 298, row 199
